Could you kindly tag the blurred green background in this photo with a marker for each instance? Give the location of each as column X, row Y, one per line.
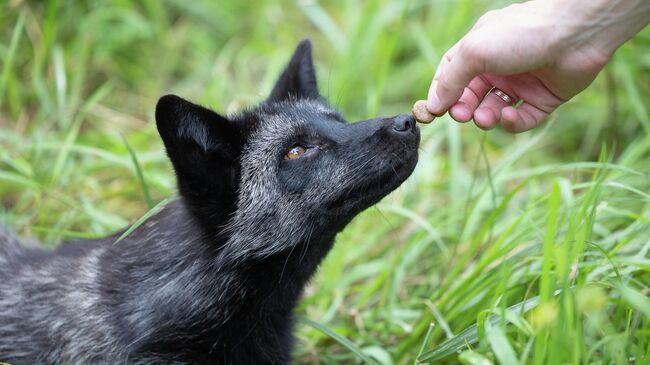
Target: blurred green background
column 500, row 248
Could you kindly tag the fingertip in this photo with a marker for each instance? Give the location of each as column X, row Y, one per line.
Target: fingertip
column 432, row 107
column 442, row 97
column 509, row 113
column 515, row 127
column 521, row 119
column 510, row 119
column 485, row 118
column 433, row 101
column 461, row 112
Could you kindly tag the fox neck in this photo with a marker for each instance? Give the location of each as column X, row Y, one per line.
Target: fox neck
column 269, row 288
column 265, row 262
column 278, row 277
column 267, row 282
column 212, row 297
column 264, row 289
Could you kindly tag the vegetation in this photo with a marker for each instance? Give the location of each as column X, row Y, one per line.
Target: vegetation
column 501, row 248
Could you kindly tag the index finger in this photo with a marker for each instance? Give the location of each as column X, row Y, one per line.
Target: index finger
column 455, row 71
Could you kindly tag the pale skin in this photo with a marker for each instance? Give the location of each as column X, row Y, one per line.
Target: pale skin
column 542, row 52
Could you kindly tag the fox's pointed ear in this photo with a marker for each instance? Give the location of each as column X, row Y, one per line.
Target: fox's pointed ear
column 204, row 148
column 194, row 135
column 182, row 122
column 298, row 81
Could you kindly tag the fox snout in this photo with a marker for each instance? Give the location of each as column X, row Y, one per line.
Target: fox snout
column 404, row 123
column 396, row 133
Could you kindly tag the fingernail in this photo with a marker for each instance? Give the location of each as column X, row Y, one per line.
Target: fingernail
column 433, row 102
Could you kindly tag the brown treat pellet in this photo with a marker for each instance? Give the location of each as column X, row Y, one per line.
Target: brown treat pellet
column 421, row 113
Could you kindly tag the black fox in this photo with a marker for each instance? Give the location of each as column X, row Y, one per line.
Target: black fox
column 214, row 276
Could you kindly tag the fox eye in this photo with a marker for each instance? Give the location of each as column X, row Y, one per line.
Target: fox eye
column 295, row 152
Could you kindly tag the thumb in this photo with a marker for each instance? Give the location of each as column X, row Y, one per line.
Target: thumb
column 456, row 69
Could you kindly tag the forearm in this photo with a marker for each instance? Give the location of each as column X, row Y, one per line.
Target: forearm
column 604, row 24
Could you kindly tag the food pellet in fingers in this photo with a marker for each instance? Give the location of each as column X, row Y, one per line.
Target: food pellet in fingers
column 421, row 113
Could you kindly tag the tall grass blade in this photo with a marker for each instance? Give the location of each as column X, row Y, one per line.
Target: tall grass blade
column 11, row 54
column 153, row 211
column 340, row 339
column 138, row 170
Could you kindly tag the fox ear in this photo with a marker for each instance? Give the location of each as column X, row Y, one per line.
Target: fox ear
column 298, row 81
column 180, row 122
column 197, row 139
column 204, row 148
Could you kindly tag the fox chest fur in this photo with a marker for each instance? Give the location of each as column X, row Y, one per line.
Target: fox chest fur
column 213, row 277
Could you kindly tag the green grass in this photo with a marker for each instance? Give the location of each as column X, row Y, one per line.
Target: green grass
column 528, row 249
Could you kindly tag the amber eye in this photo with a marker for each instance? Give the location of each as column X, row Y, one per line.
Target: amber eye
column 295, row 152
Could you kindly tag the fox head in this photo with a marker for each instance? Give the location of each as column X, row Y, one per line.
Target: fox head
column 287, row 171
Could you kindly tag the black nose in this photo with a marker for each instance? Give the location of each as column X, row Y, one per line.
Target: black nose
column 404, row 123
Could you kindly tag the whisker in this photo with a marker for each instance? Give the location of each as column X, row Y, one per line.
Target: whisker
column 285, row 263
column 304, row 252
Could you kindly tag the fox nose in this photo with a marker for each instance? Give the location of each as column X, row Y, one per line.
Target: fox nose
column 404, row 123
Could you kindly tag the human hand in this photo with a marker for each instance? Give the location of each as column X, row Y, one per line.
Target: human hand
column 540, row 52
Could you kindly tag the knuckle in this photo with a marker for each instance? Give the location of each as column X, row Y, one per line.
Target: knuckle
column 444, row 85
column 488, row 14
column 448, row 55
column 468, row 48
column 487, row 17
column 473, row 53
